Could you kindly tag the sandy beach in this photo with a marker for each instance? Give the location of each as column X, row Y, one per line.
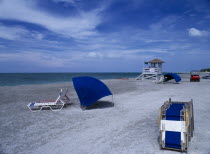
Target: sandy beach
column 130, row 125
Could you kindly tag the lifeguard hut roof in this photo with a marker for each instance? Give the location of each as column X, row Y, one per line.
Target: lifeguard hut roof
column 156, row 61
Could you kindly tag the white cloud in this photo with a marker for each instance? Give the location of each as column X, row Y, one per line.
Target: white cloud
column 165, row 23
column 35, row 58
column 77, row 26
column 154, row 41
column 197, row 33
column 37, row 35
column 94, row 55
column 11, row 33
column 124, row 53
column 57, row 60
column 17, row 33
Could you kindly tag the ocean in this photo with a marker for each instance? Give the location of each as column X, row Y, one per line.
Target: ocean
column 13, row 79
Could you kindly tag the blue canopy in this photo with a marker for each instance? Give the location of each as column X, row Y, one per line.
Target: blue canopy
column 90, row 89
column 170, row 76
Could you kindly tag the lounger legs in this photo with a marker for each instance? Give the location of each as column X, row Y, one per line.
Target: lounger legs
column 57, row 109
column 35, row 110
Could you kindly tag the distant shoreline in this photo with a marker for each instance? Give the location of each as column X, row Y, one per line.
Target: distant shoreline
column 14, row 79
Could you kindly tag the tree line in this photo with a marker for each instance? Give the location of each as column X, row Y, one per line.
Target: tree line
column 205, row 70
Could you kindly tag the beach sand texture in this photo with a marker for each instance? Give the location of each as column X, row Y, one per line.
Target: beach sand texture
column 128, row 126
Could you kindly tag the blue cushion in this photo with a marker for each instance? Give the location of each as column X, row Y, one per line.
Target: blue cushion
column 173, row 112
column 32, row 104
column 173, row 139
column 173, row 146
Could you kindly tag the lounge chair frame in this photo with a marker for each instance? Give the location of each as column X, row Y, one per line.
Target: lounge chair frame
column 187, row 119
column 56, row 105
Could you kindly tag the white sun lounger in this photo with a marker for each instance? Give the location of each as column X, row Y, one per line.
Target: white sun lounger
column 55, row 105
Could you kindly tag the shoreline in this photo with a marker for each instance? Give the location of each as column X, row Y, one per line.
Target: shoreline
column 40, row 81
column 14, row 79
column 60, row 82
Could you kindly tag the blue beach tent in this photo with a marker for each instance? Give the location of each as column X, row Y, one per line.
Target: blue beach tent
column 170, row 76
column 90, row 90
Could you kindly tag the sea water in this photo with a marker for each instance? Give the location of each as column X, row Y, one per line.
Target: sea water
column 12, row 79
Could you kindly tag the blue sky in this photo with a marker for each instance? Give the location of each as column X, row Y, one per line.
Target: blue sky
column 103, row 35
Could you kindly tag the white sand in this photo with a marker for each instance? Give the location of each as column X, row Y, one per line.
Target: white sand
column 130, row 126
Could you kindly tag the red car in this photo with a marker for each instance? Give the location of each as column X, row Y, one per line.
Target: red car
column 195, row 76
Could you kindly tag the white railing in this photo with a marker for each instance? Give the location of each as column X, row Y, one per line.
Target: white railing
column 152, row 70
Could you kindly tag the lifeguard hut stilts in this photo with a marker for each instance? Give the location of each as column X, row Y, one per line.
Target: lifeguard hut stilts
column 153, row 71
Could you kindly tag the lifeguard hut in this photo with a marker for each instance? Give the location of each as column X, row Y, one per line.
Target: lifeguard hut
column 152, row 71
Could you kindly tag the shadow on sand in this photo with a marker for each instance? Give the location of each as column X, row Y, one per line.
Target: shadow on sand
column 101, row 105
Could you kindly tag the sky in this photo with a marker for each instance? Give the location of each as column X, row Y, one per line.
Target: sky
column 103, row 35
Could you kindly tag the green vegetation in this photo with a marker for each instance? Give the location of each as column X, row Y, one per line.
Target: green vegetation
column 205, row 69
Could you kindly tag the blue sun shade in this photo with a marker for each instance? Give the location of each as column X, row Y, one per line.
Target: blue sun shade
column 170, row 76
column 90, row 90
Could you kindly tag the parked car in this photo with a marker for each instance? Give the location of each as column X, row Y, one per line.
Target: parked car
column 195, row 76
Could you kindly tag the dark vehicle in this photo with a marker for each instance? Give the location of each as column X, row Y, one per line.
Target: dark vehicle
column 195, row 76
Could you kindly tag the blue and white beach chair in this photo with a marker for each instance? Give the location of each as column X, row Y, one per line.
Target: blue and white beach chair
column 54, row 105
column 176, row 125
